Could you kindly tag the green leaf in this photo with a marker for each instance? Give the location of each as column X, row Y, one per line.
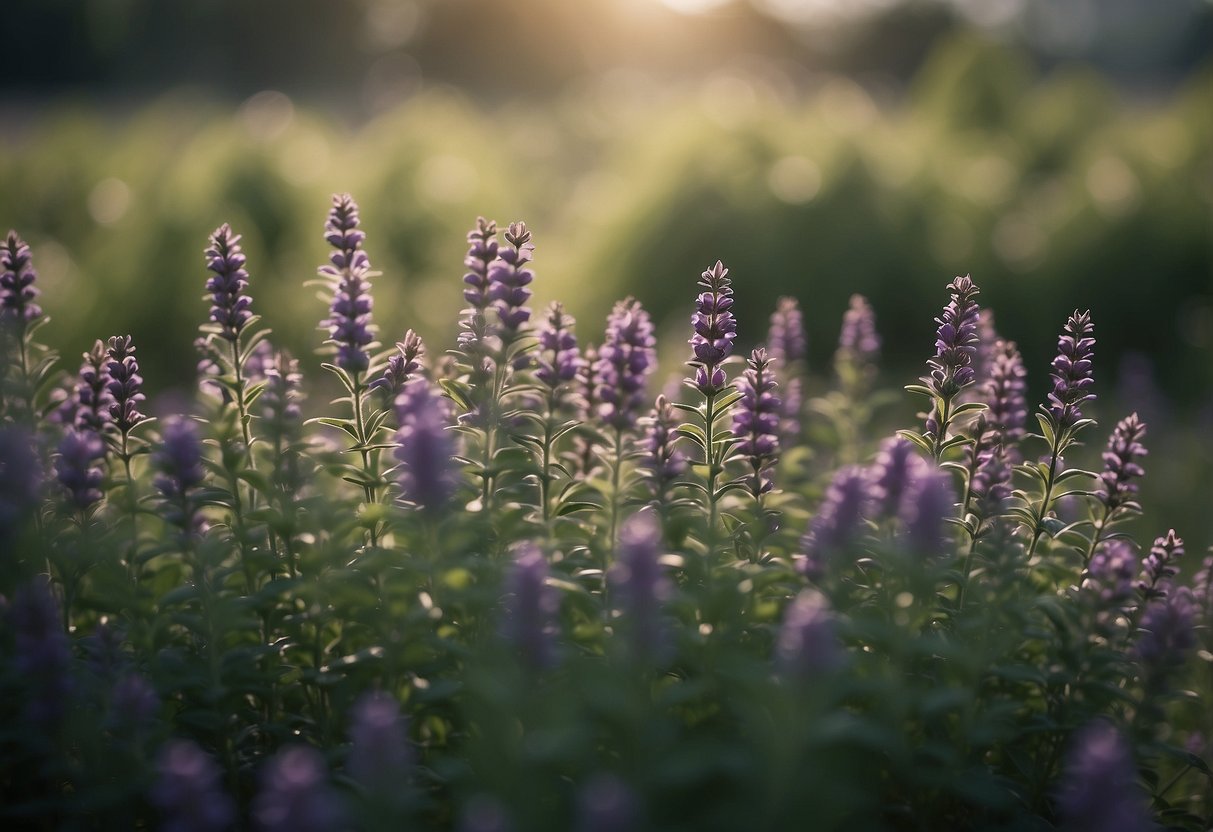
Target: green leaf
column 574, row 506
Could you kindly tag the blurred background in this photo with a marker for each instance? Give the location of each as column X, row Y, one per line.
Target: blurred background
column 1060, row 151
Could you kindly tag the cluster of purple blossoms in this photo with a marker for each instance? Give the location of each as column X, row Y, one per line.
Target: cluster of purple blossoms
column 281, row 397
column 125, row 384
column 1160, row 566
column 91, row 399
column 627, row 357
column 1111, row 573
column 349, row 320
column 756, row 421
column 989, row 480
column 1072, row 370
column 951, row 368
column 1005, row 396
column 77, row 470
column 1117, row 489
column 1099, row 785
column 838, row 523
column 788, row 345
column 1167, row 629
column 482, row 251
column 531, row 606
column 229, row 299
column 715, row 329
column 662, row 457
column 558, row 359
column 425, row 447
column 42, row 656
column 924, row 530
column 380, row 757
column 808, row 644
column 641, row 588
column 178, row 461
column 896, row 466
column 188, row 790
column 17, row 289
column 509, row 282
column 403, row 366
column 858, row 345
column 295, row 794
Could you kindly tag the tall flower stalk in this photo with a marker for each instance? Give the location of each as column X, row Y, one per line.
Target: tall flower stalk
column 20, row 317
column 556, row 365
column 1115, row 495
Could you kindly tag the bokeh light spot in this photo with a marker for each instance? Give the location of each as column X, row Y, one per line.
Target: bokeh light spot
column 109, row 200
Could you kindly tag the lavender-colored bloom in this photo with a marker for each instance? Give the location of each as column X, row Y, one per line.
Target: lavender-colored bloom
column 189, row 791
column 125, row 384
column 1072, row 370
column 956, row 341
column 1005, row 396
column 988, row 340
column 641, row 588
column 626, row 358
column 1111, row 573
column 509, row 281
column 715, row 329
column 756, row 421
column 482, row 251
column 295, row 794
column 531, row 606
column 607, row 804
column 786, row 338
column 808, row 644
column 401, row 367
column 380, row 757
column 349, row 320
column 897, row 465
column 558, row 359
column 17, row 289
column 990, row 482
column 662, row 458
column 91, row 399
column 133, row 704
column 229, row 299
column 42, row 656
column 76, row 468
column 178, row 461
column 838, row 524
column 425, row 447
column 20, row 478
column 281, row 397
column 1160, row 565
column 928, row 502
column 1117, row 488
column 858, row 343
column 790, row 410
column 1167, row 628
column 1099, row 786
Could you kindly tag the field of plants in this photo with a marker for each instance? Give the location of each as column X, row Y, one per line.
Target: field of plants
column 497, row 583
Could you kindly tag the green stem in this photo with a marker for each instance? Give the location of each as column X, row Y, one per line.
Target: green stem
column 945, row 416
column 709, row 431
column 369, row 490
column 1050, row 481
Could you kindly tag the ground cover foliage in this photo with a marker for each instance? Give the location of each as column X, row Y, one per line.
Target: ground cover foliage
column 502, row 584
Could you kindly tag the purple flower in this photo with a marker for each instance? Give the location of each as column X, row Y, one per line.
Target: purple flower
column 558, row 359
column 133, row 704
column 178, row 461
column 641, row 588
column 928, row 502
column 786, row 338
column 482, row 251
column 896, row 467
column 607, row 804
column 989, row 482
column 1072, row 372
column 1167, row 628
column 838, row 524
column 17, row 289
column 588, row 405
column 20, row 478
column 756, row 421
column 401, row 367
column 91, row 399
column 349, row 320
column 42, row 657
column 380, row 757
column 662, row 458
column 858, row 344
column 1111, row 573
column 1099, row 791
column 189, row 791
column 125, row 384
column 76, row 468
column 229, row 301
column 1117, row 488
column 1160, row 565
column 625, row 360
column 715, row 329
column 1005, row 396
column 951, row 368
column 295, row 794
column 425, row 448
column 281, row 397
column 509, row 282
column 531, row 607
column 808, row 645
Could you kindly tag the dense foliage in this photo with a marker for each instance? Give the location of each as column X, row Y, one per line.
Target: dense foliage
column 506, row 587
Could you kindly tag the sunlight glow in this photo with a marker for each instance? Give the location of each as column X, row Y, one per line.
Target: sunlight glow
column 693, row 6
